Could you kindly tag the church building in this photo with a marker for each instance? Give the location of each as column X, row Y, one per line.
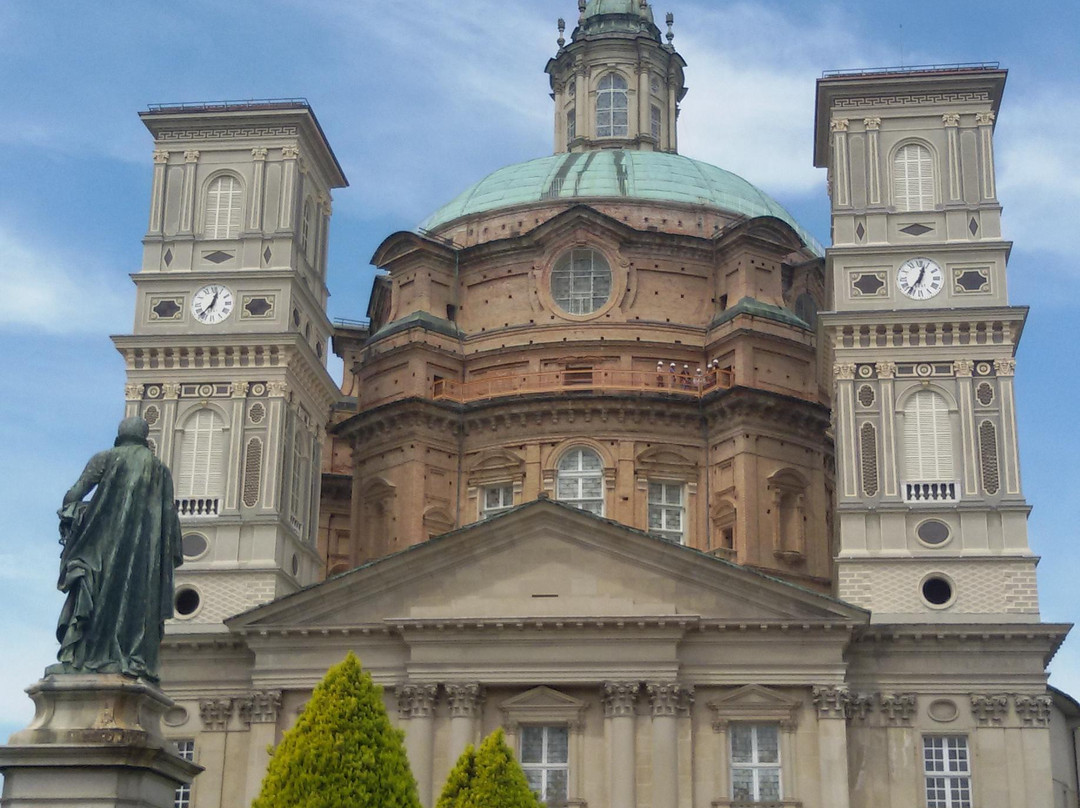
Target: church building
column 701, row 512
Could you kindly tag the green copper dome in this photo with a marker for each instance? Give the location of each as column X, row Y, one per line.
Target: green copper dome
column 595, row 8
column 613, row 173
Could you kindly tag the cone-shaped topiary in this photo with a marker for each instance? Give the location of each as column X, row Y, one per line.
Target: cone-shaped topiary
column 488, row 777
column 342, row 751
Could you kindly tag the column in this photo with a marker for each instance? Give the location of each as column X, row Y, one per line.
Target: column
column 846, row 438
column 157, row 191
column 888, row 464
column 259, row 713
column 187, row 192
column 234, row 462
column 873, row 159
column 644, row 126
column 257, row 177
column 466, row 700
column 619, row 699
column 289, row 156
column 1010, row 458
column 133, row 394
column 841, row 190
column 417, row 704
column 952, row 129
column 669, row 700
column 215, row 714
column 277, row 396
column 985, row 122
column 831, row 704
column 170, row 412
column 969, row 443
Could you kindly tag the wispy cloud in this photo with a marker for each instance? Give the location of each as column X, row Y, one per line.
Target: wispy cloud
column 57, row 292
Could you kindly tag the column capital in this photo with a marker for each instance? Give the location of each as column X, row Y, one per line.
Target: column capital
column 619, row 698
column 885, row 370
column 669, row 698
column 1005, row 367
column 260, row 707
column 290, row 152
column 259, row 153
column 951, row 119
column 465, row 699
column 860, row 705
column 989, row 708
column 416, row 701
column 872, row 124
column 191, row 155
column 277, row 389
column 838, row 125
column 963, row 367
column 984, row 118
column 161, row 156
column 899, row 708
column 215, row 713
column 844, row 371
column 240, row 389
column 831, row 702
column 133, row 392
column 1033, row 710
column 170, row 390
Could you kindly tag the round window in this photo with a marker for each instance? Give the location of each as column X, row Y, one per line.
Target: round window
column 581, row 281
column 193, row 545
column 932, row 531
column 937, row 590
column 186, row 601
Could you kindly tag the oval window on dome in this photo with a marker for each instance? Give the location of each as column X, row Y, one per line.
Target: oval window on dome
column 581, row 281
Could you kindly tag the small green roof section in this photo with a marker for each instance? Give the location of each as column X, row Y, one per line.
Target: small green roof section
column 595, row 8
column 758, row 308
column 616, row 173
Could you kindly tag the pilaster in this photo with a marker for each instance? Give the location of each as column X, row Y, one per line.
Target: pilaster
column 417, row 704
column 620, row 699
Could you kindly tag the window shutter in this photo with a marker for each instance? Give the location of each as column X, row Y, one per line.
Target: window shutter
column 928, row 449
column 223, row 203
column 913, row 178
column 202, row 456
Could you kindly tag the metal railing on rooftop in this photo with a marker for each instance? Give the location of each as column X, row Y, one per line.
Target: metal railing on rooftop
column 227, row 106
column 941, row 68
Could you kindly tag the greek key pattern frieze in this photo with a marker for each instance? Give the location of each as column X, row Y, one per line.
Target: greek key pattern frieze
column 227, row 132
column 907, row 100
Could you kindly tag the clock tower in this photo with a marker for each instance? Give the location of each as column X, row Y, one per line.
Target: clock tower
column 227, row 359
column 930, row 513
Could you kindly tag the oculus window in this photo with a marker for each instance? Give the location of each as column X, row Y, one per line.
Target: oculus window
column 581, row 281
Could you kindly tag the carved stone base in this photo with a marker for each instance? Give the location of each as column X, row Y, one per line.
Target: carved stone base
column 95, row 739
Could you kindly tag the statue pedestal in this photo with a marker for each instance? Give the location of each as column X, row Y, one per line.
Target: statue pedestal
column 95, row 740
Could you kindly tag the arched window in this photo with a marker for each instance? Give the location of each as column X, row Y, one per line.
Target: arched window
column 202, row 464
column 913, row 178
column 222, row 214
column 928, row 444
column 571, row 126
column 612, row 107
column 307, row 225
column 581, row 281
column 581, row 480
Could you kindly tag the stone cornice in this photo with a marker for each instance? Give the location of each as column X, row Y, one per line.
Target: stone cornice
column 972, row 315
column 1048, row 635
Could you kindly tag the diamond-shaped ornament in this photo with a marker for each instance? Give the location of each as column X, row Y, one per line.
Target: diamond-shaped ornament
column 168, row 257
column 218, row 256
column 973, row 226
column 916, row 229
column 860, row 231
column 267, row 255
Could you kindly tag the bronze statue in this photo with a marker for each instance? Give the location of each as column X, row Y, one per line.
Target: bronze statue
column 116, row 566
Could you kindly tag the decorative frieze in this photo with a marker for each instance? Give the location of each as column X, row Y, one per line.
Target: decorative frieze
column 831, row 702
column 465, row 699
column 417, row 701
column 215, row 713
column 1033, row 710
column 259, row 708
column 669, row 698
column 989, row 708
column 619, row 698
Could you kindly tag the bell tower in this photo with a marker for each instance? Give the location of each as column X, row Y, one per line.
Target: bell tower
column 931, row 517
column 227, row 358
column 617, row 85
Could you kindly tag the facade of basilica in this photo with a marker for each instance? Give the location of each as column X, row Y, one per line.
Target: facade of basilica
column 623, row 461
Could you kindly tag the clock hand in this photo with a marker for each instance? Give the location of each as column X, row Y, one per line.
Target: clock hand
column 918, row 280
column 213, row 300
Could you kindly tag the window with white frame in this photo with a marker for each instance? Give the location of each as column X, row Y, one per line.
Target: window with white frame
column 581, row 281
column 654, row 122
column 182, row 797
column 755, row 763
column 580, row 480
column 947, row 766
column 612, row 115
column 667, row 511
column 928, row 444
column 222, row 214
column 202, row 456
column 913, row 178
column 495, row 499
column 545, row 760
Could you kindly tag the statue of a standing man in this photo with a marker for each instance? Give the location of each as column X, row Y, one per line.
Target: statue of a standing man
column 120, row 549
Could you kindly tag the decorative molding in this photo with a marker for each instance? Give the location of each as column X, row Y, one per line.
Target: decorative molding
column 161, row 156
column 754, row 703
column 259, row 708
column 872, row 124
column 917, row 99
column 465, row 699
column 417, row 701
column 619, row 698
column 222, row 133
column 838, row 125
column 259, row 153
column 1005, row 367
column 885, row 370
column 860, row 705
column 898, row 708
column 191, row 155
column 215, row 713
column 984, row 118
column 951, row 119
column 831, row 702
column 133, row 392
column 1033, row 710
column 669, row 698
column 290, row 152
column 963, row 367
column 989, row 708
column 844, row 371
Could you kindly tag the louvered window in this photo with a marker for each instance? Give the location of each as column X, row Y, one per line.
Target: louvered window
column 571, row 126
column 612, row 108
column 202, row 464
column 928, row 443
column 222, row 219
column 307, row 225
column 581, row 480
column 913, row 178
column 298, row 498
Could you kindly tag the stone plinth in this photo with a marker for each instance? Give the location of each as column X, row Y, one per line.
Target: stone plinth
column 95, row 740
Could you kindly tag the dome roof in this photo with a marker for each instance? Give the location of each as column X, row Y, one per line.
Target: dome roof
column 595, row 8
column 614, row 173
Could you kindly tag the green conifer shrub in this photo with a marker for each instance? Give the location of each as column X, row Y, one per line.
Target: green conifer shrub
column 488, row 777
column 342, row 752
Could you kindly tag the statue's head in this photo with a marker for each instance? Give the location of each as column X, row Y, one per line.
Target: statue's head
column 132, row 430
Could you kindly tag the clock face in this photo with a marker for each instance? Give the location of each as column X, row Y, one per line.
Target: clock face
column 920, row 278
column 212, row 304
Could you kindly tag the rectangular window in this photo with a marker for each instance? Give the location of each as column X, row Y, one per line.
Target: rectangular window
column 755, row 763
column 667, row 511
column 495, row 499
column 654, row 121
column 948, row 771
column 544, row 757
column 571, row 126
column 182, row 798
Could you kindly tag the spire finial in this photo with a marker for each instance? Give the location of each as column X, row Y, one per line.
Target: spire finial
column 670, row 22
column 581, row 12
column 562, row 29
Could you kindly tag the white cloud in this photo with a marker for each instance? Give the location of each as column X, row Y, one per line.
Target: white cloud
column 47, row 289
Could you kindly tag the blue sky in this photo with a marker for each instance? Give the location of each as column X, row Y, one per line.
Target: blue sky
column 419, row 100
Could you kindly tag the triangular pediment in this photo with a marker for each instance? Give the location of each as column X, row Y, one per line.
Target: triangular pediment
column 542, row 699
column 755, row 702
column 546, row 561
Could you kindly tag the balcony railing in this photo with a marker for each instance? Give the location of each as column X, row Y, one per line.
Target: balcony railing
column 197, row 506
column 932, row 492
column 561, row 381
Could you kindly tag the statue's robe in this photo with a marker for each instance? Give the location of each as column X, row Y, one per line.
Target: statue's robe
column 117, row 564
